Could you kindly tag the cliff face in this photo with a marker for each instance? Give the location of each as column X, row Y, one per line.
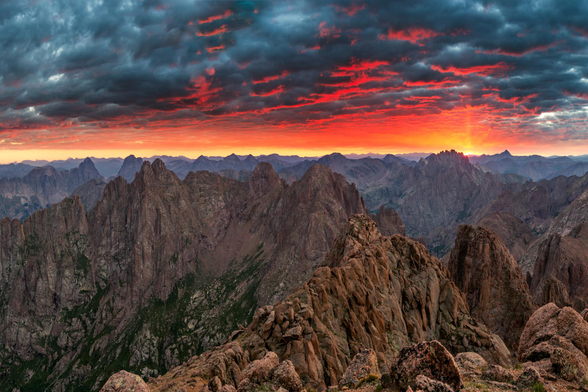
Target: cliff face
column 91, row 192
column 158, row 271
column 496, row 291
column 560, row 273
column 376, row 292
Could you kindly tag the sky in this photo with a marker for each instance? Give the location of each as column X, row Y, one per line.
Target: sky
column 109, row 77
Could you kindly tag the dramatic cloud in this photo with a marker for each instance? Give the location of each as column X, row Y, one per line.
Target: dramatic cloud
column 294, row 75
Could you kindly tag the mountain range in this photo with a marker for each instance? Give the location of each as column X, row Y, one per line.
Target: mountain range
column 144, row 270
column 433, row 196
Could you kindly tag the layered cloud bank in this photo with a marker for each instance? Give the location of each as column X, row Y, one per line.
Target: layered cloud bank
column 294, row 75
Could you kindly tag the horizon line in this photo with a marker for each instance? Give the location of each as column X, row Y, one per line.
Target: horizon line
column 188, row 155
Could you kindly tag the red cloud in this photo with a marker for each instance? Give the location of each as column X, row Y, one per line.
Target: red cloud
column 351, row 10
column 271, row 78
column 483, row 70
column 412, row 34
column 362, row 65
column 220, row 30
column 328, row 32
column 212, row 49
column 275, row 91
column 216, row 17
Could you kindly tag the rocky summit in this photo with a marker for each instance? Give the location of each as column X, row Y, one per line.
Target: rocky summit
column 158, row 271
column 373, row 292
column 343, row 330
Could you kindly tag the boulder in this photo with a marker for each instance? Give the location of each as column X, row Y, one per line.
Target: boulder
column 261, row 370
column 215, row 384
column 125, row 382
column 364, row 365
column 246, row 386
column 430, row 359
column 497, row 373
column 566, row 365
column 286, row 377
column 528, row 378
column 425, row 384
column 228, row 388
column 470, row 361
column 556, row 340
column 549, row 321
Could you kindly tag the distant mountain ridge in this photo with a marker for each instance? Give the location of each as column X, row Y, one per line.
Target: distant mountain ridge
column 533, row 167
column 432, row 195
column 41, row 187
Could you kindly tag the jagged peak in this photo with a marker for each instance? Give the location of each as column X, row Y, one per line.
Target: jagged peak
column 202, row 158
column 70, row 210
column 263, row 178
column 331, row 157
column 42, row 171
column 88, row 164
column 317, row 170
column 263, row 169
column 232, row 157
column 360, row 230
column 447, row 157
column 130, row 157
column 158, row 166
column 472, row 237
column 389, row 222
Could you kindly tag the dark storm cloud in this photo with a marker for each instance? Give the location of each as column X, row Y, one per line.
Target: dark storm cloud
column 124, row 63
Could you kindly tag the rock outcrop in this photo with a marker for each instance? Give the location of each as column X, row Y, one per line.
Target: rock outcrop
column 470, row 362
column 376, row 292
column 363, row 366
column 498, row 373
column 496, row 291
column 389, row 222
column 556, row 339
column 125, row 382
column 425, row 384
column 429, row 359
column 158, row 271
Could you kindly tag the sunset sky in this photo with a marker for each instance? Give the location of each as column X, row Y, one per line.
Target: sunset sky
column 109, row 77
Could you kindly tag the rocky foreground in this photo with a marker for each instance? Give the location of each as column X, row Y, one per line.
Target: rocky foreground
column 383, row 314
column 552, row 354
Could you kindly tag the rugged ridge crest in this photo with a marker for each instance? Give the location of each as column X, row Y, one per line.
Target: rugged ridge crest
column 377, row 292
